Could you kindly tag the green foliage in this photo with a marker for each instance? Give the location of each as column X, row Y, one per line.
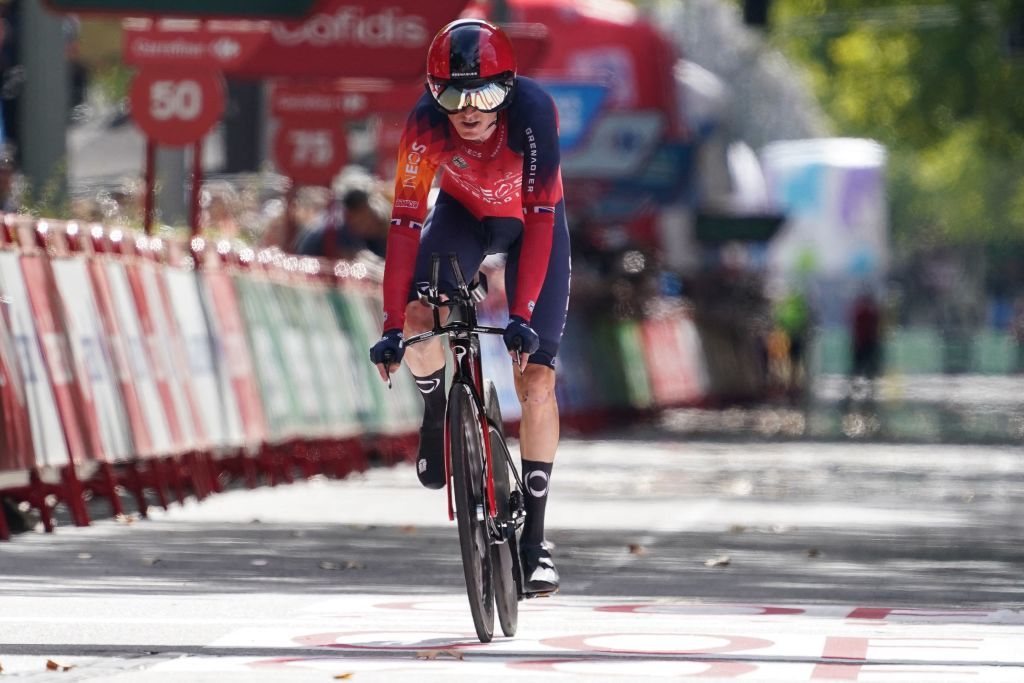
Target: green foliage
column 934, row 82
column 112, row 82
column 51, row 200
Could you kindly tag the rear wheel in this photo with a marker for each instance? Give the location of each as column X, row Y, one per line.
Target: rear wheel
column 468, row 455
column 503, row 555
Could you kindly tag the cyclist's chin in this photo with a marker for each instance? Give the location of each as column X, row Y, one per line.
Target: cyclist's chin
column 474, row 131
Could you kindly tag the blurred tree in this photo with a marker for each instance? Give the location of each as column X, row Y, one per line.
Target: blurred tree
column 938, row 83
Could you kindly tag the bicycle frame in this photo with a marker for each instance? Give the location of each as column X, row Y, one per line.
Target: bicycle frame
column 464, row 342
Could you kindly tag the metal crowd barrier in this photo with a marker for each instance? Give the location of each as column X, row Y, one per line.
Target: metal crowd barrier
column 166, row 370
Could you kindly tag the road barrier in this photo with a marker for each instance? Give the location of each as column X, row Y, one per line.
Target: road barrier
column 132, row 365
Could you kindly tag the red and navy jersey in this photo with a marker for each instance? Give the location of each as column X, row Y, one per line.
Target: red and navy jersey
column 514, row 173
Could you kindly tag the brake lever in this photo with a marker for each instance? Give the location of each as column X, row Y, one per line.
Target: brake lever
column 519, row 359
column 387, row 367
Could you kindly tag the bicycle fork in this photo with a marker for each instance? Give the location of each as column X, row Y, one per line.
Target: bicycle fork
column 470, row 366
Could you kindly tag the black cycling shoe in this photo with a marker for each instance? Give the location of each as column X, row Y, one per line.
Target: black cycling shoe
column 430, row 459
column 539, row 574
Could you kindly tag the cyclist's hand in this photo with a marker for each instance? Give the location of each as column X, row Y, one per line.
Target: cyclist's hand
column 520, row 336
column 389, row 350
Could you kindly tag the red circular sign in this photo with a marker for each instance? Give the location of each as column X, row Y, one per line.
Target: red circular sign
column 310, row 154
column 175, row 107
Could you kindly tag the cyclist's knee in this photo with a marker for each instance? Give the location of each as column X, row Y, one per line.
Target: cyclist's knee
column 418, row 318
column 536, row 386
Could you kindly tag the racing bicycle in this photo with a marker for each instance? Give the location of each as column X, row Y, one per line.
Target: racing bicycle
column 487, row 503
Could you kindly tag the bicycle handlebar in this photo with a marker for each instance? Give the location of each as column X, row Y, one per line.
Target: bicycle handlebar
column 464, row 296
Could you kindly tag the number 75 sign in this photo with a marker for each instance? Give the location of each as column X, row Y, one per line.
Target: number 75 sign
column 310, row 152
column 174, row 107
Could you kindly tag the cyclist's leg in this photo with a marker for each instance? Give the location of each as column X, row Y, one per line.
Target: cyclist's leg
column 536, row 386
column 450, row 229
column 539, row 428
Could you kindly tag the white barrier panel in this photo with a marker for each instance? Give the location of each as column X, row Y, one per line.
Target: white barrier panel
column 234, row 364
column 160, row 346
column 48, row 440
column 218, row 410
column 270, row 369
column 141, row 366
column 92, row 359
column 301, row 371
column 16, row 439
column 402, row 408
column 350, row 396
column 338, row 403
column 119, row 357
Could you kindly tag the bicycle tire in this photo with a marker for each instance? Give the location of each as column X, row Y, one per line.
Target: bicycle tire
column 506, row 588
column 467, row 450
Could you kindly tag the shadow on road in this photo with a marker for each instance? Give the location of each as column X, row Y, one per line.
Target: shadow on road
column 937, row 567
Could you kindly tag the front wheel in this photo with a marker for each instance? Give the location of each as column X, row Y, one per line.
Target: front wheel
column 470, row 490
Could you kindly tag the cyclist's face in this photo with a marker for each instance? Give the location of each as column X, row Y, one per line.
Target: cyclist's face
column 474, row 125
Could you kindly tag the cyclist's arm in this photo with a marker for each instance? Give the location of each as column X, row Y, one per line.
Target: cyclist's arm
column 542, row 190
column 413, row 177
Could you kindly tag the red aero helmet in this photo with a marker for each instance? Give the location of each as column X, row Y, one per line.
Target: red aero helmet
column 471, row 63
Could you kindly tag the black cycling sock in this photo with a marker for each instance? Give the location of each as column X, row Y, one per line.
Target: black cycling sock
column 535, row 478
column 432, row 389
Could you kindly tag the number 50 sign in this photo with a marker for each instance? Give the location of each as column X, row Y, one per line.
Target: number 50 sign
column 176, row 108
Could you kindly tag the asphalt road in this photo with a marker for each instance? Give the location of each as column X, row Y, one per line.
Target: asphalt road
column 742, row 560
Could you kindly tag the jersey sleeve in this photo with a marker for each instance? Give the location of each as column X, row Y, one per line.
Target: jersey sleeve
column 417, row 165
column 542, row 191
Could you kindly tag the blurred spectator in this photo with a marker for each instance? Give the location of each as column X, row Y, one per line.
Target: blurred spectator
column 866, row 341
column 220, row 205
column 793, row 318
column 350, row 226
column 12, row 75
column 1017, row 327
column 8, row 195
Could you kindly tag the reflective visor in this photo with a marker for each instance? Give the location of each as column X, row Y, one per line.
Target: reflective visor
column 487, row 98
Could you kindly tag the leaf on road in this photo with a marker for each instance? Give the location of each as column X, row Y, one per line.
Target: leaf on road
column 354, row 564
column 258, row 562
column 342, row 677
column 408, row 529
column 813, row 552
column 150, row 561
column 720, row 561
column 329, row 565
column 435, row 654
column 737, row 529
column 124, row 519
column 58, row 666
column 637, row 549
column 84, row 556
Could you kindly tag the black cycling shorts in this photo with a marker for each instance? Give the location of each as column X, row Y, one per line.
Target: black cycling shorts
column 452, row 228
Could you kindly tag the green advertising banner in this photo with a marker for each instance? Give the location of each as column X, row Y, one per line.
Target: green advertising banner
column 637, row 383
column 280, row 406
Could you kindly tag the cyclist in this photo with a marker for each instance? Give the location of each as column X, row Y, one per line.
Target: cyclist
column 495, row 135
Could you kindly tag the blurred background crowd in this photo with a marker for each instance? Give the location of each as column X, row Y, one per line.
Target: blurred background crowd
column 826, row 186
